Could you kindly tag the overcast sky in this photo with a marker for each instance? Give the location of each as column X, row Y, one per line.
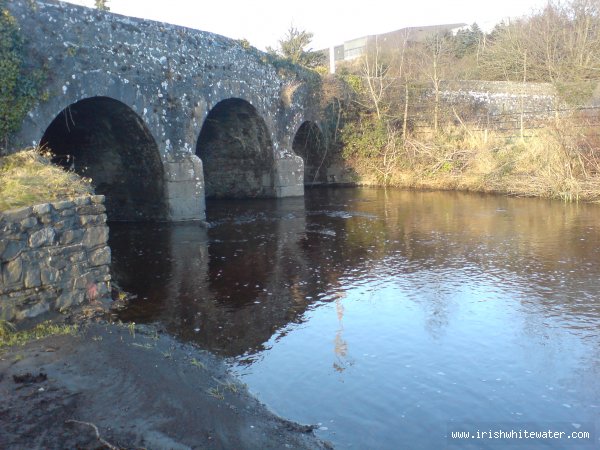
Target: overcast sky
column 263, row 22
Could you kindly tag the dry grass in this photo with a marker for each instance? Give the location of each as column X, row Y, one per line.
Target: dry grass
column 561, row 160
column 28, row 178
column 288, row 91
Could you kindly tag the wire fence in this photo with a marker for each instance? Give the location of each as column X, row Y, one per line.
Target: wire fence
column 515, row 122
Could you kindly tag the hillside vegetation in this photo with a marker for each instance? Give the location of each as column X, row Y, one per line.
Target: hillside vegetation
column 391, row 123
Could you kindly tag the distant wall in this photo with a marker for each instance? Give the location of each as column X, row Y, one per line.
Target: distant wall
column 502, row 97
column 53, row 256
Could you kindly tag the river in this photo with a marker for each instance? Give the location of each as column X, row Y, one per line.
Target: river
column 389, row 318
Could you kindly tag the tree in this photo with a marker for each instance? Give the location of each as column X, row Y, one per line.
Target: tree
column 293, row 45
column 102, row 5
column 468, row 41
column 562, row 44
column 436, row 58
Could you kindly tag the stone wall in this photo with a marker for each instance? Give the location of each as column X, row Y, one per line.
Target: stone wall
column 135, row 95
column 53, row 256
column 502, row 97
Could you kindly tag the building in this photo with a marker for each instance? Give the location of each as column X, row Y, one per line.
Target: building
column 355, row 48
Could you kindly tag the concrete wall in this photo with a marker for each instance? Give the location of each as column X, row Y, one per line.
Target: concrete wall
column 53, row 256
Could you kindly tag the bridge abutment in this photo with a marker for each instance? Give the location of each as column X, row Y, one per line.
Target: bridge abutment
column 289, row 176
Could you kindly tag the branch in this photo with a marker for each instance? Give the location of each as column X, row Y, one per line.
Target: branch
column 102, row 441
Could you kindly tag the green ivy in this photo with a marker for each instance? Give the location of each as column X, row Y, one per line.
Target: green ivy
column 20, row 86
column 364, row 138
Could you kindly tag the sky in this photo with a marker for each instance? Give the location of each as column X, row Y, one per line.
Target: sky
column 264, row 22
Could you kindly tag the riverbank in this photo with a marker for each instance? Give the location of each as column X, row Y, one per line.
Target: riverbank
column 136, row 388
column 558, row 159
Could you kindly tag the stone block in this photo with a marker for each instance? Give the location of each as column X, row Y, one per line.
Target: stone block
column 46, row 219
column 71, row 237
column 12, row 249
column 82, row 201
column 32, row 276
column 63, row 205
column 12, row 272
column 78, row 257
column 42, row 209
column 95, row 236
column 68, row 212
column 49, row 275
column 33, row 311
column 82, row 281
column 188, row 169
column 11, row 230
column 185, row 201
column 289, row 174
column 16, row 215
column 103, row 289
column 65, row 223
column 74, row 271
column 88, row 210
column 97, row 199
column 43, row 237
column 28, row 223
column 64, row 301
column 289, row 191
column 63, row 251
column 96, row 219
column 100, row 257
column 8, row 310
column 57, row 263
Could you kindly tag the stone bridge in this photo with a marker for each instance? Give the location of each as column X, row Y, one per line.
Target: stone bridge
column 161, row 116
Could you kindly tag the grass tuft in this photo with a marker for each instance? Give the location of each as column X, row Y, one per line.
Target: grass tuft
column 9, row 337
column 29, row 178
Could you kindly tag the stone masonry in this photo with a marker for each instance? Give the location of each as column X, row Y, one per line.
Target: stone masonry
column 53, row 256
column 165, row 78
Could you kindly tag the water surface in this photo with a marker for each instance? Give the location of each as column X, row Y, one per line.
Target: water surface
column 387, row 317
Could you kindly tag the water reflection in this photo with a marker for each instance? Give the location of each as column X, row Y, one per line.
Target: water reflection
column 387, row 309
column 262, row 264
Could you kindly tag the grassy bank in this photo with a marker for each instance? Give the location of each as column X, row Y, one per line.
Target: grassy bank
column 560, row 159
column 10, row 337
column 28, row 178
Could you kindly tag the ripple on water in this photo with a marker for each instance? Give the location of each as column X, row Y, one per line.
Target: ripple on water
column 384, row 317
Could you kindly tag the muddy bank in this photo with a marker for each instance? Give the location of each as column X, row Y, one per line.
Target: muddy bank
column 140, row 388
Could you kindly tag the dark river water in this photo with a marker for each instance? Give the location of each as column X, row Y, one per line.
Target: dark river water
column 390, row 318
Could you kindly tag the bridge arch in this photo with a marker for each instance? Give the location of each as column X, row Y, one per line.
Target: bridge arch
column 309, row 143
column 236, row 150
column 104, row 139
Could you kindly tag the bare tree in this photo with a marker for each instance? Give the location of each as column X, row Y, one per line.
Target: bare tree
column 437, row 53
column 562, row 43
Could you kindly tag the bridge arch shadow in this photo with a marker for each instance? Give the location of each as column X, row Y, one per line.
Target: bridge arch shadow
column 309, row 144
column 236, row 152
column 104, row 139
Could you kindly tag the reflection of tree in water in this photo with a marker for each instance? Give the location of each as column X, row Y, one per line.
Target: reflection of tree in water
column 340, row 347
